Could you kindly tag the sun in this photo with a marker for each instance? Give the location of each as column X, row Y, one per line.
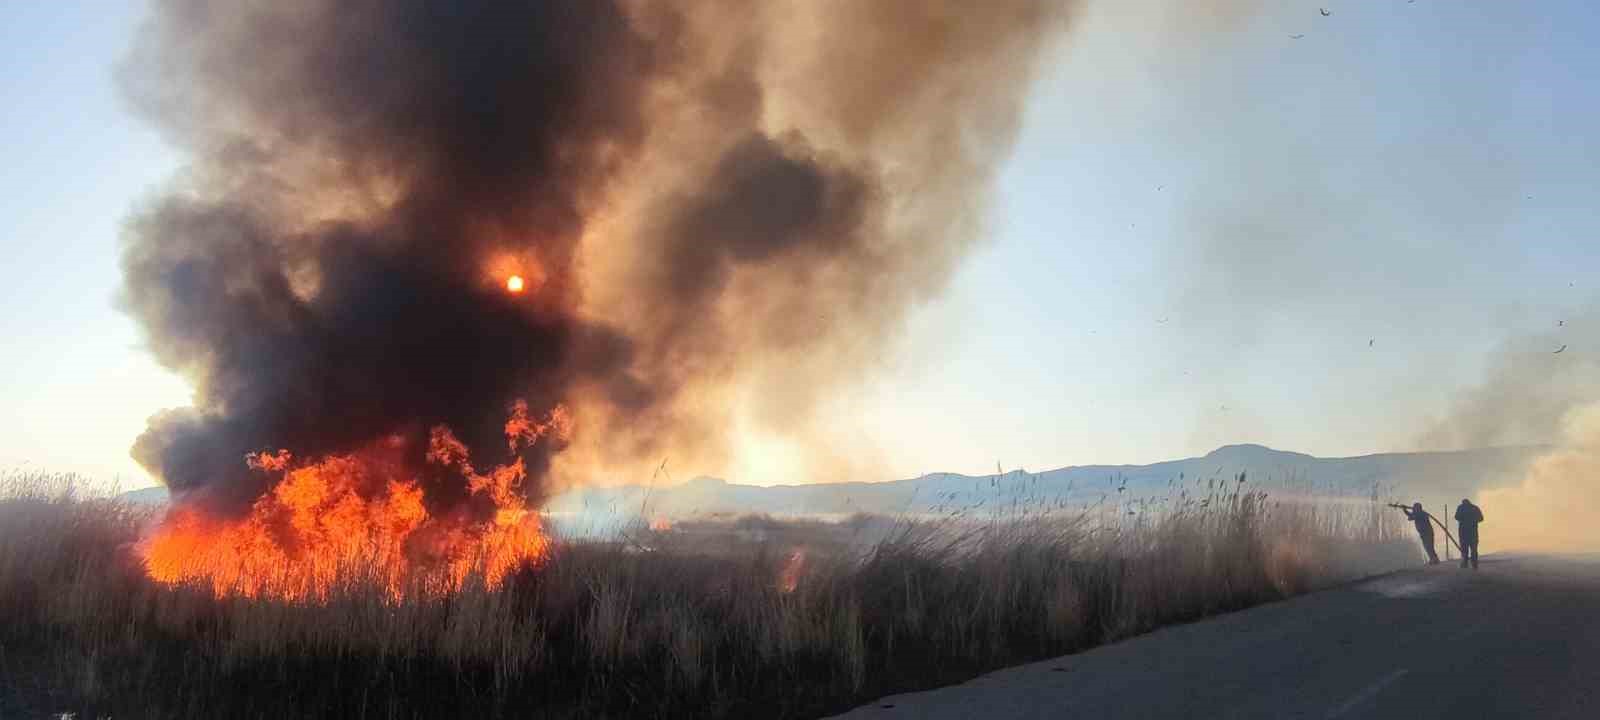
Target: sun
column 514, row 283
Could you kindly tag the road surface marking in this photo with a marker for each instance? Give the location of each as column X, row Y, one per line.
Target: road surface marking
column 1367, row 694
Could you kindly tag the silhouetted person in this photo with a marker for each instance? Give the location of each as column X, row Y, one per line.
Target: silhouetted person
column 1467, row 517
column 1423, row 521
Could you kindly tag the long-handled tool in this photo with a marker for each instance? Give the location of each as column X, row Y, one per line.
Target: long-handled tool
column 1447, row 534
column 1441, row 525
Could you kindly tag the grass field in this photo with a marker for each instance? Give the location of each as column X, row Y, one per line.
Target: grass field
column 716, row 618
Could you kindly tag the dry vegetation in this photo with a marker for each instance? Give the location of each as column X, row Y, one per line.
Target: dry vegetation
column 754, row 617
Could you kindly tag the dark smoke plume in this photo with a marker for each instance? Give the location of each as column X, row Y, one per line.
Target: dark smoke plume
column 715, row 204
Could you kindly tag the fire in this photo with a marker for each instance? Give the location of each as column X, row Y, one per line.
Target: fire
column 360, row 517
column 514, row 283
column 793, row 568
column 660, row 523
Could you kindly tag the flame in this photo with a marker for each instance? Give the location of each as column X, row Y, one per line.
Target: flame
column 360, row 517
column 660, row 523
column 789, row 577
column 514, row 283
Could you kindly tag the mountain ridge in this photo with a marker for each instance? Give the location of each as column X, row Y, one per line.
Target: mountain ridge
column 1431, row 477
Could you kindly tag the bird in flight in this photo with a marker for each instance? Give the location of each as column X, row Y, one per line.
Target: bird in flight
column 1324, row 12
column 1559, row 350
column 1297, row 37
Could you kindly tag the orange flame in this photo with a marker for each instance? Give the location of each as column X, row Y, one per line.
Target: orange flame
column 360, row 517
column 789, row 577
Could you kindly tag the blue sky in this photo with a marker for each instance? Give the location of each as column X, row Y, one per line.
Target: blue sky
column 76, row 386
column 1209, row 232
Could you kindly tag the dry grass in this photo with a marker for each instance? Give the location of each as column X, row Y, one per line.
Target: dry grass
column 698, row 621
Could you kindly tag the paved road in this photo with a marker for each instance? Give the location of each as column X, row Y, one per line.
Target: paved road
column 1520, row 638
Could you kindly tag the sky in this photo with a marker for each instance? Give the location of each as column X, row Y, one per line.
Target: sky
column 1210, row 231
column 77, row 387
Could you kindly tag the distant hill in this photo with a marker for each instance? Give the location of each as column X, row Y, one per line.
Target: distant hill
column 1432, row 477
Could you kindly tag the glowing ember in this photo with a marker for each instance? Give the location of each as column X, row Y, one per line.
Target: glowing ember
column 360, row 518
column 514, row 283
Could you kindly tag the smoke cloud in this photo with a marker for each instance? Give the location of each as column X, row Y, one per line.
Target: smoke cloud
column 1533, row 395
column 1556, row 504
column 720, row 209
column 1371, row 229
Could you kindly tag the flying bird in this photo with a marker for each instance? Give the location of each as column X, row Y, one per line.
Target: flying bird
column 1324, row 12
column 1297, row 37
column 1559, row 350
column 1370, row 342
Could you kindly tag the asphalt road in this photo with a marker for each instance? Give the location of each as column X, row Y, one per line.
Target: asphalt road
column 1520, row 638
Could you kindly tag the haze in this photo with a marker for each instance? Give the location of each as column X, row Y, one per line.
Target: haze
column 1373, row 237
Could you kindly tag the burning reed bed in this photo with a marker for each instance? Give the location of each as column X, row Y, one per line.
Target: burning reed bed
column 744, row 618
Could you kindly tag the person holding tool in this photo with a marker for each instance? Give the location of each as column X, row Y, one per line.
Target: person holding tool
column 1422, row 520
column 1467, row 517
